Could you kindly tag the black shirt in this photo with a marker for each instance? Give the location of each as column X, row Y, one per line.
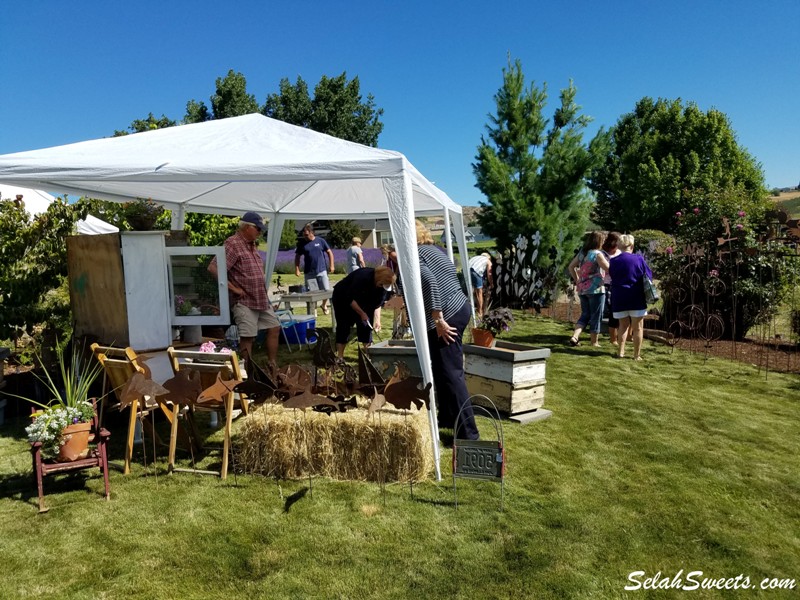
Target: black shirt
column 359, row 286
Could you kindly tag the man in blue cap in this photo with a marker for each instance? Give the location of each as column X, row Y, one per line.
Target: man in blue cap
column 247, row 288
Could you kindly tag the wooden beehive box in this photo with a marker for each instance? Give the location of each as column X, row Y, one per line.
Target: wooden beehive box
column 510, row 375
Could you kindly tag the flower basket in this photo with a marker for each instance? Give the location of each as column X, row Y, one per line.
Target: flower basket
column 54, row 425
column 142, row 214
column 141, row 222
column 492, row 325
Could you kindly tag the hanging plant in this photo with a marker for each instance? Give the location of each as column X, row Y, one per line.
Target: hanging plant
column 142, row 213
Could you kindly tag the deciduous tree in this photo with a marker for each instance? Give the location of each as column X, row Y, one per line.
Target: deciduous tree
column 148, row 124
column 662, row 152
column 229, row 100
column 336, row 109
column 342, row 233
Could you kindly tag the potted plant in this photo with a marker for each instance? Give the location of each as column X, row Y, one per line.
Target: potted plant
column 63, row 424
column 492, row 325
column 142, row 213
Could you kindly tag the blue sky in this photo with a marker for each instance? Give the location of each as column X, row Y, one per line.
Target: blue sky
column 71, row 71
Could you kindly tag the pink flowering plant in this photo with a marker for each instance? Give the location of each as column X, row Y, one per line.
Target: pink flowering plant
column 212, row 347
column 726, row 250
column 182, row 306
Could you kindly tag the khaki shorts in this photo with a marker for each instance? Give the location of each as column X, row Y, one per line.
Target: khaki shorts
column 250, row 321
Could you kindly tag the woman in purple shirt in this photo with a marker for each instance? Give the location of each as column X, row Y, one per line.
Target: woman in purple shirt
column 628, row 303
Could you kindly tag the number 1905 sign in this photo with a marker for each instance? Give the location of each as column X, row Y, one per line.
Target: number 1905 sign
column 481, row 459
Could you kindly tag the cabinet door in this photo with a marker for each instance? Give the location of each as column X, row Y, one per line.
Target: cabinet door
column 196, row 296
column 146, row 290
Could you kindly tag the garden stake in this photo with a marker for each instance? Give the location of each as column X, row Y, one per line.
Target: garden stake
column 382, row 471
column 308, row 453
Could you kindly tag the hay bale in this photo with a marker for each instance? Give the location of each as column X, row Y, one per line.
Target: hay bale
column 392, row 445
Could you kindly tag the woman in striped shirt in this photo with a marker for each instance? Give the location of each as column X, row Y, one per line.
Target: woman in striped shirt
column 447, row 313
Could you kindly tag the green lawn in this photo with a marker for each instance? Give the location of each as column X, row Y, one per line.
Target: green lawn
column 673, row 463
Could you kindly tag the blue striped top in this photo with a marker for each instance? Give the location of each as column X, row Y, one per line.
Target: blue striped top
column 441, row 289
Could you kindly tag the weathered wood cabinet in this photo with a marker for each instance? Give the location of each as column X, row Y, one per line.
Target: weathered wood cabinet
column 123, row 286
column 118, row 288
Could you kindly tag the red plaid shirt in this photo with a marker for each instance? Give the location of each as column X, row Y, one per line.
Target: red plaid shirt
column 246, row 270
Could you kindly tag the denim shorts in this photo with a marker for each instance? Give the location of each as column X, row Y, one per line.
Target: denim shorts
column 317, row 282
column 631, row 313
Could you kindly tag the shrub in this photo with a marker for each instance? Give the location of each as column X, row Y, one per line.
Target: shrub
column 342, row 233
column 652, row 241
column 289, row 236
column 34, row 297
column 726, row 260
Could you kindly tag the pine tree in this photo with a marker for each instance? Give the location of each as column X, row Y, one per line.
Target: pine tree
column 534, row 177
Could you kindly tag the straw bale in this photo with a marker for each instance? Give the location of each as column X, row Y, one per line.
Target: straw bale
column 392, row 445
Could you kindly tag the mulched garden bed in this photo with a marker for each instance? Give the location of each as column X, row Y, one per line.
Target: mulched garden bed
column 767, row 355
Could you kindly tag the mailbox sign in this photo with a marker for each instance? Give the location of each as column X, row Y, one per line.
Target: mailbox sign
column 480, row 459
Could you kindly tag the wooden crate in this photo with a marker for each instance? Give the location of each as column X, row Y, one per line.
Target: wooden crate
column 384, row 355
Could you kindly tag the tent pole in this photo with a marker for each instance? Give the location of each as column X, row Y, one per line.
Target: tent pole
column 178, row 217
column 401, row 222
column 448, row 238
column 274, row 229
column 461, row 238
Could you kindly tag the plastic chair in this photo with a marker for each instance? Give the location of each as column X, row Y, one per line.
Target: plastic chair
column 287, row 319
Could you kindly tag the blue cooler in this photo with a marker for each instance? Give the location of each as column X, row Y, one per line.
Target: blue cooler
column 296, row 332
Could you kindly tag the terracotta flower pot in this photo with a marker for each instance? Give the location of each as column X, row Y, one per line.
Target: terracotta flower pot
column 482, row 337
column 76, row 442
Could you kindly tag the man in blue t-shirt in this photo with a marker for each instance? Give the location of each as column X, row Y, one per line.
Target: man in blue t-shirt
column 313, row 250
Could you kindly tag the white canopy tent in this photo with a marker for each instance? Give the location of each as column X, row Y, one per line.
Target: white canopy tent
column 281, row 171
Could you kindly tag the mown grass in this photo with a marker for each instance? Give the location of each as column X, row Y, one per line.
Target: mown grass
column 673, row 463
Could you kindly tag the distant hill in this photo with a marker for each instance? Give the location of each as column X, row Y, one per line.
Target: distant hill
column 470, row 214
column 790, row 202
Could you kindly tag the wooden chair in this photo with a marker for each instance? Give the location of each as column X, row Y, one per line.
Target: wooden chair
column 209, row 365
column 119, row 364
column 97, row 457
